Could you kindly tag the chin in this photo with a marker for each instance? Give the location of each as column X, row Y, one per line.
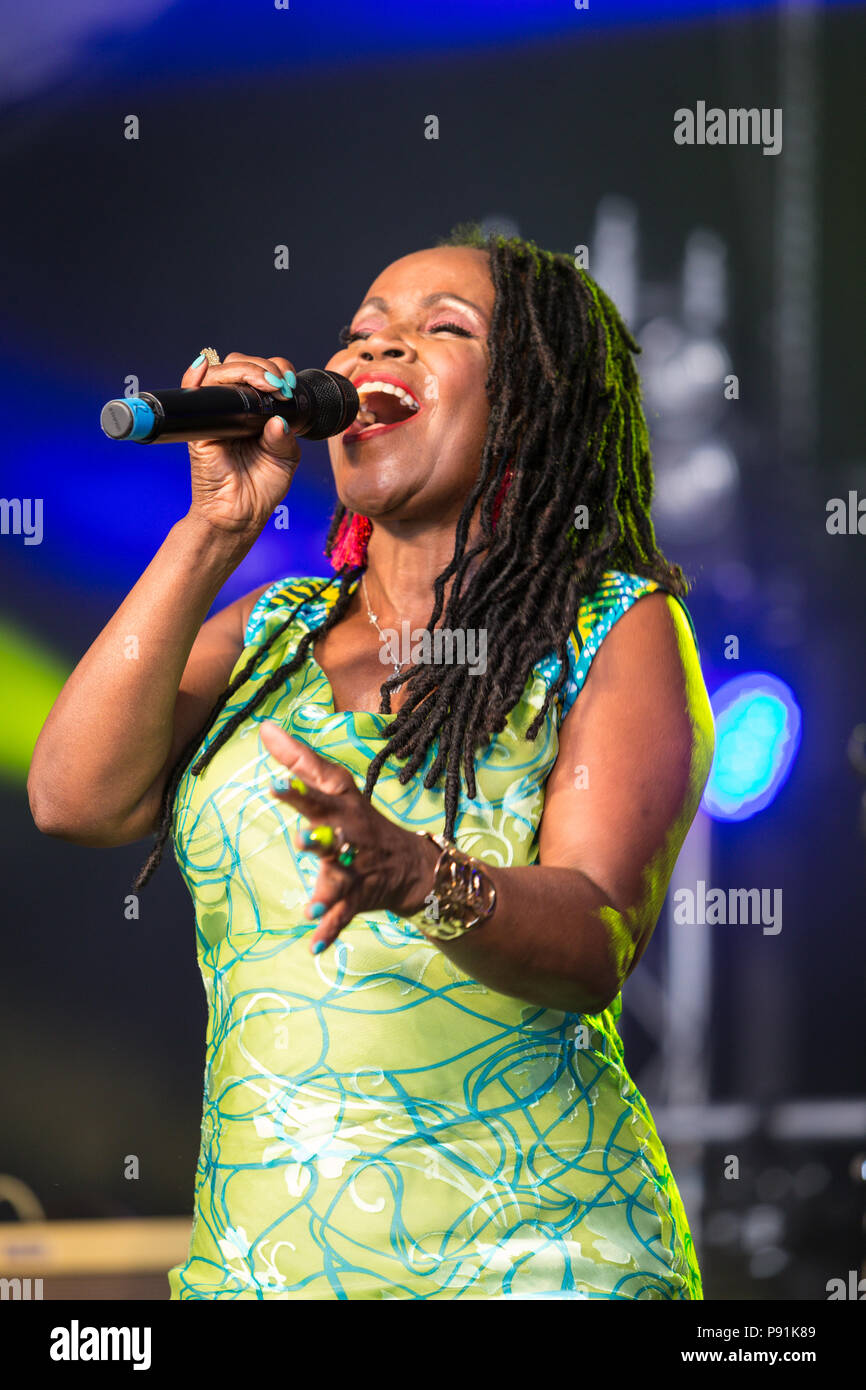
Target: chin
column 375, row 488
column 375, row 505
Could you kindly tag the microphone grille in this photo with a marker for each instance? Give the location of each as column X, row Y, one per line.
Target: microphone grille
column 335, row 402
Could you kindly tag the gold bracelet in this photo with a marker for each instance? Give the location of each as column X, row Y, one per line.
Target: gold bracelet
column 462, row 896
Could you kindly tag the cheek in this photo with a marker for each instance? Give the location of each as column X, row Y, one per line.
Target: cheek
column 333, row 364
column 430, row 389
column 477, row 416
column 457, row 431
column 460, row 390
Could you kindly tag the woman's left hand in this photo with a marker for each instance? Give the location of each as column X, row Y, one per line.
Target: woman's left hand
column 391, row 868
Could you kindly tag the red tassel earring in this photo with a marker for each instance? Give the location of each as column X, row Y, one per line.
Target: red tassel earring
column 500, row 496
column 350, row 543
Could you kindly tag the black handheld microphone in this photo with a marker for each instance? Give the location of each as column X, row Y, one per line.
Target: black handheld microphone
column 324, row 403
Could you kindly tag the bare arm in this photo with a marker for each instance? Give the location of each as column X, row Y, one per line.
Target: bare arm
column 634, row 756
column 148, row 681
column 140, row 692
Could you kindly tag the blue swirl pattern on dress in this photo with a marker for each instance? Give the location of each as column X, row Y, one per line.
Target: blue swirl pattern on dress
column 376, row 1124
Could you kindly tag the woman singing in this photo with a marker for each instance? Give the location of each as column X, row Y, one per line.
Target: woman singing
column 427, row 807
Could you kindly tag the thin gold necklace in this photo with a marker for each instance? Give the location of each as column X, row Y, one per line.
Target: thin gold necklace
column 374, row 621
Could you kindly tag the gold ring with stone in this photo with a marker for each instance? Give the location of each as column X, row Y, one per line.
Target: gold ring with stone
column 346, row 854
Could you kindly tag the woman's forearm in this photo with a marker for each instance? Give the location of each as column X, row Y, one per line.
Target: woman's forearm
column 110, row 729
column 553, row 939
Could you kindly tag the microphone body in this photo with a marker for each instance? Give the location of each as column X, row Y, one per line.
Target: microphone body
column 323, row 404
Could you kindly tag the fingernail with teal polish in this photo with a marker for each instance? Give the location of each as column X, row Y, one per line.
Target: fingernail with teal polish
column 198, row 361
column 277, row 381
column 278, row 785
column 317, row 911
column 284, row 423
column 290, row 379
column 319, row 946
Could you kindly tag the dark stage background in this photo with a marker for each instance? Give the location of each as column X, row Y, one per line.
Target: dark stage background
column 306, row 128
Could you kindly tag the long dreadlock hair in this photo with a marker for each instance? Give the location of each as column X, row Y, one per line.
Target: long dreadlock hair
column 567, row 424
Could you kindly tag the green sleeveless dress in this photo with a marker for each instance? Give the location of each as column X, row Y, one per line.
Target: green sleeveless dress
column 377, row 1124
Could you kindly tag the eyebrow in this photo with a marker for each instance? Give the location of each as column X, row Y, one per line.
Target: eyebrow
column 425, row 302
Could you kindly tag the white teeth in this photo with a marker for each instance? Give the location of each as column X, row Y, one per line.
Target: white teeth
column 368, row 387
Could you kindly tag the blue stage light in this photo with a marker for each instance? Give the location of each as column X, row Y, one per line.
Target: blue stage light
column 757, row 737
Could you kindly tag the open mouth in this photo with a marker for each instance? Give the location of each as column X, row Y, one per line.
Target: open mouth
column 384, row 406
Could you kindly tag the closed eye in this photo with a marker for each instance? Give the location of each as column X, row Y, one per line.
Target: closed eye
column 346, row 335
column 452, row 328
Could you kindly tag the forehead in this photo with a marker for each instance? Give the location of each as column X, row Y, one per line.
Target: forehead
column 460, row 270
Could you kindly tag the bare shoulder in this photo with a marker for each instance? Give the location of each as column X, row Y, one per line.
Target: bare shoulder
column 248, row 603
column 231, row 621
column 647, row 670
column 238, row 612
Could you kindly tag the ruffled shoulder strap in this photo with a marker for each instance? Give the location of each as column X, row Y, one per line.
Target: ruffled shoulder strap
column 315, row 596
column 598, row 612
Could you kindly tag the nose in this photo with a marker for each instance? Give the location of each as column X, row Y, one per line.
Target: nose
column 385, row 342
